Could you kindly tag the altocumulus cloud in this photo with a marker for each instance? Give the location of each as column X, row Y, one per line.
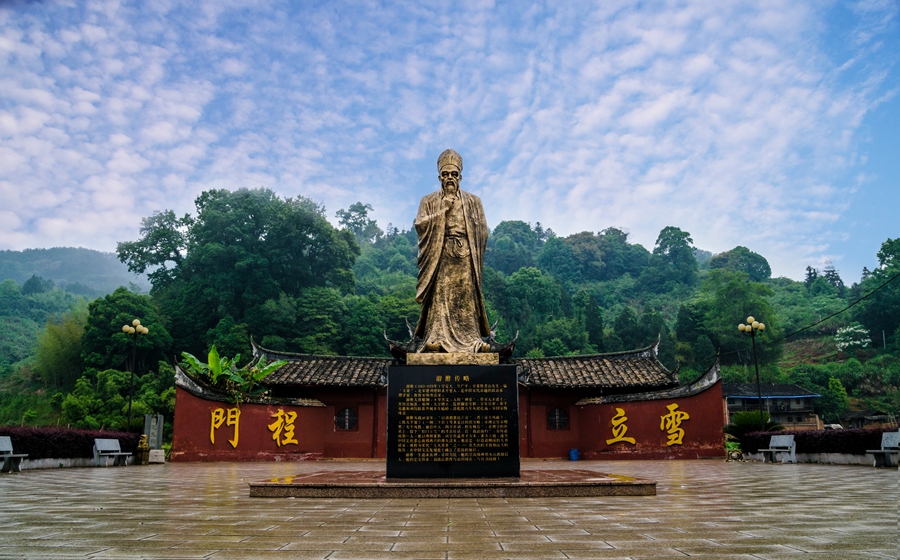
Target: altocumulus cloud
column 693, row 114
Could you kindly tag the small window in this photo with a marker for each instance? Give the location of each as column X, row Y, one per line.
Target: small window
column 345, row 419
column 557, row 419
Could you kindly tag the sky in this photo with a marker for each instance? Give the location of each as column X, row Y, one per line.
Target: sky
column 772, row 124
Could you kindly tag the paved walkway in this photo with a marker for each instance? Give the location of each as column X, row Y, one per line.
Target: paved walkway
column 707, row 509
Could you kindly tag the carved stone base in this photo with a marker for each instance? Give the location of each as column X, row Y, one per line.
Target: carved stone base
column 452, row 359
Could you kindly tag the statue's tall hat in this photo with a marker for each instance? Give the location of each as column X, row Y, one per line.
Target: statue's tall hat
column 449, row 157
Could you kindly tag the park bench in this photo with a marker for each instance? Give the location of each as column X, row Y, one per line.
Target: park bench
column 780, row 444
column 11, row 461
column 890, row 445
column 106, row 448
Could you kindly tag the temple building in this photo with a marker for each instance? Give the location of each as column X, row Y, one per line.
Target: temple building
column 607, row 406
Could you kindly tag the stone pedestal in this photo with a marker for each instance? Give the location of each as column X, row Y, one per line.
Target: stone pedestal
column 452, row 421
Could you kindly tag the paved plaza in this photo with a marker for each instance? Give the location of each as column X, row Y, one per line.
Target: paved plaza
column 707, row 509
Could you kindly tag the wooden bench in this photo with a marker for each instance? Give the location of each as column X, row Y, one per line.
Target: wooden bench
column 106, row 448
column 11, row 461
column 890, row 446
column 780, row 444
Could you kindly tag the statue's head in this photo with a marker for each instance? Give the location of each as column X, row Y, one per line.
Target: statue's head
column 450, row 167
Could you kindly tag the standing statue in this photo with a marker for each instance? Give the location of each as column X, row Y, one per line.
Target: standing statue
column 452, row 234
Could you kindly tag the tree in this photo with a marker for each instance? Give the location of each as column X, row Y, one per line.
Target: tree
column 811, row 275
column 511, row 246
column 556, row 258
column 231, row 339
column 851, row 337
column 243, row 249
column 742, row 259
column 587, row 310
column 36, row 285
column 832, row 277
column 881, row 311
column 730, row 298
column 356, row 219
column 364, row 329
column 58, row 351
column 672, row 261
column 162, row 247
column 588, row 251
column 629, row 331
column 105, row 346
column 834, row 401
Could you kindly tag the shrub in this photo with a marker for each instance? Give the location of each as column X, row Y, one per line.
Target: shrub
column 747, row 421
column 854, row 441
column 62, row 443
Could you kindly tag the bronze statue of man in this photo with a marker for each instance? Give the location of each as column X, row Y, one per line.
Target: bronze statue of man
column 452, row 234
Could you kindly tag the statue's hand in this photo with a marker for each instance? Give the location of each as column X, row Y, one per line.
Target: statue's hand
column 448, row 203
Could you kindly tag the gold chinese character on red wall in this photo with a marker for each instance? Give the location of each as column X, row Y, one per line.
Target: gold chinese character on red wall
column 220, row 416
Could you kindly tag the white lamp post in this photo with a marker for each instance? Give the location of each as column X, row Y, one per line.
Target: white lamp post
column 134, row 329
column 751, row 328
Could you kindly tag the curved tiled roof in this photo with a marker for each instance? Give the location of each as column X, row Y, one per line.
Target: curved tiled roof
column 619, row 370
column 637, row 369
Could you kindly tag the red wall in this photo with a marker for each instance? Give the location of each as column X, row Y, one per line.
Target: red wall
column 317, row 435
column 703, row 436
column 193, row 422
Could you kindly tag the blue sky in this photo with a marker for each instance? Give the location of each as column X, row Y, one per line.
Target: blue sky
column 772, row 124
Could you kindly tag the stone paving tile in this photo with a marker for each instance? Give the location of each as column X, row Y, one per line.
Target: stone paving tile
column 703, row 509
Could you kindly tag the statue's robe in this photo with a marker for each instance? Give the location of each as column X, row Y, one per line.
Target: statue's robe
column 451, row 258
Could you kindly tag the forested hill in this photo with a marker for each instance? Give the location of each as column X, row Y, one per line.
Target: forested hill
column 249, row 262
column 75, row 269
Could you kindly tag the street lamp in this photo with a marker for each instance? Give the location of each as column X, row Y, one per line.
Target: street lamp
column 134, row 329
column 751, row 329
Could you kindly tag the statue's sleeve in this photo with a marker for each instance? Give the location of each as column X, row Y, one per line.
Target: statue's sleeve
column 429, row 224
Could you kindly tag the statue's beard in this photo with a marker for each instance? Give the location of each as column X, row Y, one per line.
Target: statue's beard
column 450, row 188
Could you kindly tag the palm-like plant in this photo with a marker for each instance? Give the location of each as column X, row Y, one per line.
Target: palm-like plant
column 239, row 382
column 746, row 421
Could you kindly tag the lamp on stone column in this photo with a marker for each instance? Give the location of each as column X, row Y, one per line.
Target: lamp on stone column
column 752, row 328
column 134, row 329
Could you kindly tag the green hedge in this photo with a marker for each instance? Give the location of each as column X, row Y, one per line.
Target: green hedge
column 63, row 443
column 854, row 441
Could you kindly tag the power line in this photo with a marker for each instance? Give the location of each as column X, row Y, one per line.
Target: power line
column 785, row 337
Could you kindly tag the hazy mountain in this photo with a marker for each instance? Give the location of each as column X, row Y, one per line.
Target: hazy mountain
column 77, row 270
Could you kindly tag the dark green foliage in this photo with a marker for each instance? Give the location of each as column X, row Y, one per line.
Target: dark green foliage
column 511, row 246
column 557, row 258
column 63, row 443
column 36, row 285
column 357, row 220
column 833, row 402
column 747, row 421
column 22, row 316
column 251, row 263
column 728, row 299
column 742, row 259
column 58, row 353
column 364, row 329
column 672, row 261
column 854, row 442
column 105, row 346
column 629, row 331
column 232, row 338
column 242, row 250
column 881, row 312
column 100, row 400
